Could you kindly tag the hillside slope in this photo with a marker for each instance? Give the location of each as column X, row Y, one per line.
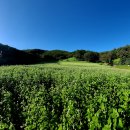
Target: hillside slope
column 10, row 55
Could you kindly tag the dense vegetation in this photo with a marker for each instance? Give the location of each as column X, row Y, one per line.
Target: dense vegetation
column 117, row 56
column 64, row 96
column 9, row 55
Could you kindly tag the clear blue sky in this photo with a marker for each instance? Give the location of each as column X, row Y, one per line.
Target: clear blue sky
column 96, row 25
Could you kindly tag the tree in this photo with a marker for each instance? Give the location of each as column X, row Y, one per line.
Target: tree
column 108, row 57
column 117, row 61
column 79, row 54
column 55, row 55
column 91, row 56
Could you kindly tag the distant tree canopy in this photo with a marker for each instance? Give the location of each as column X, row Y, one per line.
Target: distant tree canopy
column 11, row 56
column 108, row 57
column 79, row 54
column 91, row 56
column 84, row 55
column 122, row 53
column 37, row 52
column 55, row 55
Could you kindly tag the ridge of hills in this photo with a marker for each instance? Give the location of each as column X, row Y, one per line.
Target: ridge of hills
column 13, row 56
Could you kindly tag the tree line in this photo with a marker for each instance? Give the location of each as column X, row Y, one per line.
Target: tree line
column 11, row 56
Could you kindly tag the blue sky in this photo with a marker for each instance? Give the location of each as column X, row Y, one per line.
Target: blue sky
column 97, row 25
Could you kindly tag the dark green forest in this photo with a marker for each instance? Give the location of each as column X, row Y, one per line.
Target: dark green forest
column 13, row 56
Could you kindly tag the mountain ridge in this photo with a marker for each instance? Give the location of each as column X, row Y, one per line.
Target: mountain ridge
column 12, row 56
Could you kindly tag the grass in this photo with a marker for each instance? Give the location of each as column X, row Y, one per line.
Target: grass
column 64, row 96
column 122, row 67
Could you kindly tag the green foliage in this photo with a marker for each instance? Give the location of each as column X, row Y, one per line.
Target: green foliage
column 12, row 56
column 83, row 55
column 65, row 96
column 91, row 56
column 55, row 55
column 79, row 54
column 123, row 66
column 70, row 59
column 117, row 61
column 127, row 62
column 122, row 53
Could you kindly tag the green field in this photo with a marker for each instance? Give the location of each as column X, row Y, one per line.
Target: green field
column 123, row 66
column 64, row 96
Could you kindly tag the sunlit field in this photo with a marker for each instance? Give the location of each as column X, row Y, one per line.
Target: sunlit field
column 64, row 96
column 123, row 66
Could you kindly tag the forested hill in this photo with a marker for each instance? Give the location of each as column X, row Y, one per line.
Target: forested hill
column 13, row 56
column 116, row 56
